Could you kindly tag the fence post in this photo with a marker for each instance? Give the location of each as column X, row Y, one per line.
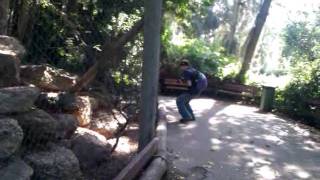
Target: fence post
column 150, row 70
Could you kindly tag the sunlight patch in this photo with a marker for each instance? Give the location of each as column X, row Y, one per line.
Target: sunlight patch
column 215, row 148
column 202, row 104
column 124, row 145
column 214, row 121
column 273, row 138
column 257, row 161
column 311, row 145
column 263, row 151
column 189, row 126
column 216, row 141
column 233, row 121
column 298, row 171
column 266, row 173
column 237, row 111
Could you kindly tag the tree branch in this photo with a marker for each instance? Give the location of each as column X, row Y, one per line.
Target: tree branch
column 107, row 55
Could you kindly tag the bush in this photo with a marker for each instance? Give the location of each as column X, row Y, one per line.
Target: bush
column 208, row 58
column 304, row 86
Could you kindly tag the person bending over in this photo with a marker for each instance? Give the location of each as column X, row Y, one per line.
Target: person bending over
column 197, row 82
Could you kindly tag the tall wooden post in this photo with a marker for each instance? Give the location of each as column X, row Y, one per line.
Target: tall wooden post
column 150, row 71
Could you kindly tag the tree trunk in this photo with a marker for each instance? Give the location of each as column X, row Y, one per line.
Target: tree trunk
column 24, row 16
column 107, row 56
column 252, row 39
column 231, row 42
column 4, row 15
column 72, row 7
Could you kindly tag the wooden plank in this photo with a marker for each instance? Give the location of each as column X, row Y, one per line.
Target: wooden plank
column 175, row 82
column 159, row 165
column 244, row 94
column 176, row 87
column 156, row 170
column 138, row 162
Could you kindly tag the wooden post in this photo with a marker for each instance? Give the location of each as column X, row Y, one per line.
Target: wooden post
column 159, row 166
column 138, row 162
column 150, row 71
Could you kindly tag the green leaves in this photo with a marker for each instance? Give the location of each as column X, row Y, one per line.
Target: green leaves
column 207, row 57
column 302, row 41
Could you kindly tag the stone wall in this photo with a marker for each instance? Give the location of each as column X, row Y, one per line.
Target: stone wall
column 43, row 129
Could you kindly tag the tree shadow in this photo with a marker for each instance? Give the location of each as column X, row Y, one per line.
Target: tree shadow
column 236, row 142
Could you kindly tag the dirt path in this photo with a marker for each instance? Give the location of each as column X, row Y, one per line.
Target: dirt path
column 235, row 142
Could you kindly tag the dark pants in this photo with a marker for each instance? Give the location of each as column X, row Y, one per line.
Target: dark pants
column 184, row 107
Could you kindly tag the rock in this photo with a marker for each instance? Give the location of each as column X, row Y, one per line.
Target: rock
column 10, row 45
column 79, row 106
column 57, row 163
column 11, row 51
column 9, row 70
column 38, row 126
column 68, row 102
column 49, row 101
column 17, row 99
column 16, row 169
column 66, row 125
column 91, row 148
column 47, row 77
column 84, row 111
column 95, row 104
column 107, row 123
column 11, row 136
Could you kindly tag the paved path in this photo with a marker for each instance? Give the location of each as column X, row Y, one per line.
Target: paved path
column 235, row 142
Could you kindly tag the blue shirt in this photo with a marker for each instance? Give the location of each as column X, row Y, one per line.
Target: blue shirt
column 198, row 80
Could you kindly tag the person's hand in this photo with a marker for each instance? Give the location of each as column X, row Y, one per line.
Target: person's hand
column 184, row 81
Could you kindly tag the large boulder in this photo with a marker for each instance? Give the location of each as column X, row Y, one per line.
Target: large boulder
column 11, row 51
column 79, row 106
column 17, row 99
column 38, row 126
column 107, row 123
column 57, row 163
column 47, row 77
column 91, row 149
column 11, row 136
column 10, row 45
column 16, row 169
column 66, row 125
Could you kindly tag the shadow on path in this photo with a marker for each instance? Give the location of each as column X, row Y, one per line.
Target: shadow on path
column 235, row 142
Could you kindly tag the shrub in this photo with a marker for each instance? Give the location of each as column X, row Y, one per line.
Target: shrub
column 305, row 86
column 208, row 58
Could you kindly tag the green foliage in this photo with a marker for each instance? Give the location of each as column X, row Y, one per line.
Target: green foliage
column 71, row 39
column 302, row 41
column 52, row 42
column 185, row 12
column 305, row 86
column 208, row 58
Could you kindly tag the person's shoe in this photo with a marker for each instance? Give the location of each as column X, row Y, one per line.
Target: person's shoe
column 186, row 120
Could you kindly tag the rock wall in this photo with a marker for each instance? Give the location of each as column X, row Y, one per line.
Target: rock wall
column 30, row 136
column 42, row 134
column 29, row 139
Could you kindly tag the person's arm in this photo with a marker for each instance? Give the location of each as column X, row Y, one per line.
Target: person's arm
column 186, row 78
